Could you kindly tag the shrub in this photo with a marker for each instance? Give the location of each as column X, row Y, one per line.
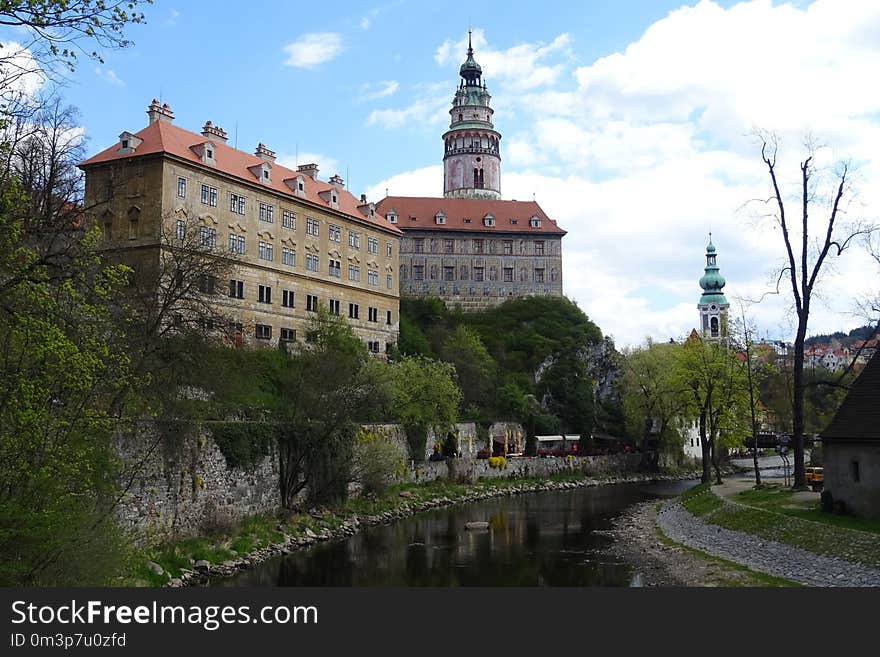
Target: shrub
column 497, row 462
column 243, row 444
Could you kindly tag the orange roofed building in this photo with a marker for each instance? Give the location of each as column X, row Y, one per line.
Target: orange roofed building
column 469, row 247
column 294, row 242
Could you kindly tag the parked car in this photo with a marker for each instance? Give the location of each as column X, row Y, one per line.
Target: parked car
column 815, row 477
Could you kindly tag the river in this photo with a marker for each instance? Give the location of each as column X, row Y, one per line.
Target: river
column 551, row 538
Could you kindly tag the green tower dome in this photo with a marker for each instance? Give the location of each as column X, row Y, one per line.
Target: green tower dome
column 470, row 70
column 712, row 281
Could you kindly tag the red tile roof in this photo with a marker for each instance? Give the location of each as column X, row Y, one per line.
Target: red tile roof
column 164, row 137
column 457, row 210
column 858, row 417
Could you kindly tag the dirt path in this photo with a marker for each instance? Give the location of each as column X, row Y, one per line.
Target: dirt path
column 638, row 542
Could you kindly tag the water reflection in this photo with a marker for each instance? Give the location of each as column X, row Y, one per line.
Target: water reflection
column 543, row 539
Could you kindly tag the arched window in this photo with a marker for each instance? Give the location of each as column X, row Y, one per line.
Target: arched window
column 714, row 327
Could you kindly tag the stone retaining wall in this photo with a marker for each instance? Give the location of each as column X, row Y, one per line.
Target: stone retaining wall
column 465, row 469
column 182, row 486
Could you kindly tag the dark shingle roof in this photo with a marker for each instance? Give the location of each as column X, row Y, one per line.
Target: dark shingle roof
column 858, row 418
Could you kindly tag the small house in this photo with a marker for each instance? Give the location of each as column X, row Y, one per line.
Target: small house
column 851, row 446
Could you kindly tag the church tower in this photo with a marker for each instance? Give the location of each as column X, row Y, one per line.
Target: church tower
column 713, row 304
column 472, row 158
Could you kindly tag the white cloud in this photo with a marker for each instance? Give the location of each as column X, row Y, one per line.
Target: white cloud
column 429, row 109
column 313, row 49
column 109, row 76
column 378, row 90
column 171, row 19
column 641, row 153
column 20, row 72
column 365, row 23
column 327, row 166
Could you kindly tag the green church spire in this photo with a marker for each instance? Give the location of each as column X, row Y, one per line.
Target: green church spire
column 712, row 281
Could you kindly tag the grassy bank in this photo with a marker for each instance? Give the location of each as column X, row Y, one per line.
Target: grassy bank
column 262, row 531
column 772, row 514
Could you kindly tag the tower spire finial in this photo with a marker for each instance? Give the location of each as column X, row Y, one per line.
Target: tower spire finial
column 470, row 45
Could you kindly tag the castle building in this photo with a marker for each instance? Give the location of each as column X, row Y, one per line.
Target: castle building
column 713, row 304
column 470, row 247
column 294, row 242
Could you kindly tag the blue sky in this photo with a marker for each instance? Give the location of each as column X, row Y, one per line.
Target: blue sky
column 632, row 123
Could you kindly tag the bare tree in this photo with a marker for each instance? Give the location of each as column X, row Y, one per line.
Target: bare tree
column 57, row 32
column 807, row 252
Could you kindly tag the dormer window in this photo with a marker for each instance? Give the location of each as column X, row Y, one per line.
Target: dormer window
column 440, row 218
column 489, row 220
column 391, row 216
column 535, row 222
column 128, row 143
column 205, row 151
column 262, row 172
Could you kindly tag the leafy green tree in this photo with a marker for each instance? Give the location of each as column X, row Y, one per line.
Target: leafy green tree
column 653, row 396
column 424, row 396
column 716, row 381
column 58, row 370
column 568, row 393
column 320, row 390
column 58, row 31
column 474, row 368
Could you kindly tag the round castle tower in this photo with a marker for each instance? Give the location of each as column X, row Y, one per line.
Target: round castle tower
column 472, row 157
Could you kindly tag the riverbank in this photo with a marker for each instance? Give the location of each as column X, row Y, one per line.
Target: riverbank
column 776, row 541
column 194, row 562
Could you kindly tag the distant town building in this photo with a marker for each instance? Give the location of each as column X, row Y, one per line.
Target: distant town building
column 294, row 242
column 470, row 247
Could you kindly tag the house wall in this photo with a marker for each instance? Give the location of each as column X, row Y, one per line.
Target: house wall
column 478, row 250
column 861, row 498
column 134, row 200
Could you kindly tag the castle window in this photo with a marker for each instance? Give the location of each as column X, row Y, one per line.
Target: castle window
column 353, row 310
column 287, row 298
column 539, row 248
column 236, row 289
column 388, row 317
column 714, row 327
column 181, row 229
column 478, row 246
column 507, row 247
column 372, row 314
column 449, row 246
column 389, row 281
column 267, row 213
column 288, row 335
column 208, row 237
column 354, row 239
column 288, row 257
column 181, row 187
column 539, row 276
column 334, row 306
column 265, row 294
column 489, row 220
column 265, row 251
column 354, row 273
column 288, row 219
column 373, row 278
column 449, row 273
column 236, row 203
column 311, row 303
column 236, row 244
column 335, row 233
column 209, row 196
column 440, row 218
column 263, row 332
column 535, row 222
